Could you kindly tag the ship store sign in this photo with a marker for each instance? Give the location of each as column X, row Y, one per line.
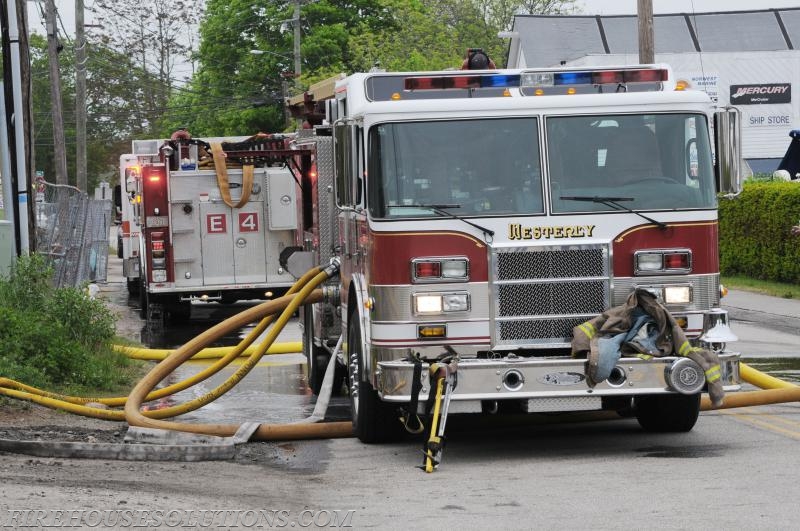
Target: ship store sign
column 761, row 94
column 765, row 104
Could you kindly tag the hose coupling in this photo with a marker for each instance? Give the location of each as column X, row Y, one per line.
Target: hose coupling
column 333, row 267
column 331, row 295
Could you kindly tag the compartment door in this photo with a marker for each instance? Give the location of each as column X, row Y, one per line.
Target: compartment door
column 249, row 244
column 216, row 243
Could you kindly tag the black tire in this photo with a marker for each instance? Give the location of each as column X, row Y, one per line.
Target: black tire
column 374, row 421
column 133, row 286
column 317, row 358
column 178, row 311
column 144, row 300
column 667, row 413
column 119, row 247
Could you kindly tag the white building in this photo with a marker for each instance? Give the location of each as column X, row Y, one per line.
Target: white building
column 749, row 59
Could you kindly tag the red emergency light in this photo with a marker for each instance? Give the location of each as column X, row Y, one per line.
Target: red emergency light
column 428, row 269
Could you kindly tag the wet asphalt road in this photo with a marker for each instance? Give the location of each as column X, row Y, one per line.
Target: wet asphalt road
column 737, row 469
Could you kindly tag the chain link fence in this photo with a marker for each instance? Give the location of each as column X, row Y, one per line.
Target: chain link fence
column 73, row 235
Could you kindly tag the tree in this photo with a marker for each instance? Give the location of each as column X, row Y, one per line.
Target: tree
column 114, row 114
column 157, row 35
column 245, row 91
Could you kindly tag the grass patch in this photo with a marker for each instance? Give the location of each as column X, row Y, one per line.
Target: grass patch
column 767, row 287
column 58, row 339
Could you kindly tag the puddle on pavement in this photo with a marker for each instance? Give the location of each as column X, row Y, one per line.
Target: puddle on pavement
column 274, row 391
column 682, row 452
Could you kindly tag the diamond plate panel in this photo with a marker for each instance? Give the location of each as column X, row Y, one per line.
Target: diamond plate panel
column 539, row 330
column 328, row 227
column 551, row 263
column 570, row 284
column 552, row 298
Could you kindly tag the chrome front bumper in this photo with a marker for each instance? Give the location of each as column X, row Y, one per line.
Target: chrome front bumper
column 541, row 378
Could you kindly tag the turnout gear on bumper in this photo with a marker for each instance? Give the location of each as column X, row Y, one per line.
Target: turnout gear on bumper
column 644, row 328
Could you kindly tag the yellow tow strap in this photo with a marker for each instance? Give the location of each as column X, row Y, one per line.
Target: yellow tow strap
column 220, row 165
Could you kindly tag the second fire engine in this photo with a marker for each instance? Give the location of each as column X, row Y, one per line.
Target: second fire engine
column 196, row 230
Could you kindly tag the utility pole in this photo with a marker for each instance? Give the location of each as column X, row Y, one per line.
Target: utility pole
column 80, row 98
column 296, row 21
column 644, row 9
column 16, row 73
column 59, row 148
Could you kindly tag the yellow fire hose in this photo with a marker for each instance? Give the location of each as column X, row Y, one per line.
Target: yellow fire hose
column 158, row 354
column 774, row 391
column 265, row 431
column 76, row 405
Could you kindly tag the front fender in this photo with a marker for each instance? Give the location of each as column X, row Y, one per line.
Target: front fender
column 356, row 309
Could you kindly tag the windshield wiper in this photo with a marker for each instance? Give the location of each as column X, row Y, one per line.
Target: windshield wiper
column 440, row 209
column 613, row 202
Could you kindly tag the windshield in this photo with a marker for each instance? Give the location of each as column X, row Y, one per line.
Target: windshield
column 473, row 167
column 655, row 161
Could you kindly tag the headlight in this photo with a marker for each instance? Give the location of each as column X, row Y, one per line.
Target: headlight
column 677, row 294
column 437, row 303
column 427, row 304
column 455, row 302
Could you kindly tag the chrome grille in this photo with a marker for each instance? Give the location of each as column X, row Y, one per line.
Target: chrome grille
column 541, row 293
column 551, row 298
column 559, row 263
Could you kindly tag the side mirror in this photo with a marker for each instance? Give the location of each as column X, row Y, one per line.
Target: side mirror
column 728, row 145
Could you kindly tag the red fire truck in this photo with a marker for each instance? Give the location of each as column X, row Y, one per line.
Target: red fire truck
column 200, row 231
column 481, row 215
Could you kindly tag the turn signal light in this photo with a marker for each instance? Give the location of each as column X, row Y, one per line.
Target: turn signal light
column 431, row 331
column 440, row 269
column 662, row 261
column 428, row 269
column 676, row 261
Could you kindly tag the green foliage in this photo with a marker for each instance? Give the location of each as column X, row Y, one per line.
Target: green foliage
column 116, row 108
column 56, row 337
column 755, row 239
column 235, row 92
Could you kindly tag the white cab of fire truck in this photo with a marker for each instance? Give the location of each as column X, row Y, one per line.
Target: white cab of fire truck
column 487, row 213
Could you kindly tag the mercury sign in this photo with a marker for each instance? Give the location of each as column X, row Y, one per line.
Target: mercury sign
column 761, row 94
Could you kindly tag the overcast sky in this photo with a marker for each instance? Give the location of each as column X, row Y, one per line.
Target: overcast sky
column 628, row 7
column 66, row 8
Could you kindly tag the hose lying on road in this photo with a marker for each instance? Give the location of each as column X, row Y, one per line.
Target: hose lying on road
column 135, row 417
column 158, row 354
column 774, row 391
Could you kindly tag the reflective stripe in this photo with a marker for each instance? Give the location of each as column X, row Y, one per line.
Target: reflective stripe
column 713, row 374
column 644, row 356
column 587, row 329
column 685, row 348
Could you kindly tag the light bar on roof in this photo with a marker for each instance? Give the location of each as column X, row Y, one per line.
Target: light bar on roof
column 590, row 81
column 462, row 82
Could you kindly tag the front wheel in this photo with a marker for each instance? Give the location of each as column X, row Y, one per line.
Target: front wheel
column 317, row 358
column 374, row 421
column 667, row 413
